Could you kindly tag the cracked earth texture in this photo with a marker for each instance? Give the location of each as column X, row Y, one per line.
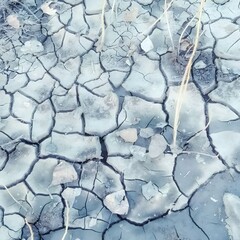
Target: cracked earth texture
column 88, row 92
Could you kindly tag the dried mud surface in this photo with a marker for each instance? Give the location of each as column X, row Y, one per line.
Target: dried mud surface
column 88, row 92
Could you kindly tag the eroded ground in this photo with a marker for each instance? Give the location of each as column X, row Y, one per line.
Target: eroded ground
column 88, row 92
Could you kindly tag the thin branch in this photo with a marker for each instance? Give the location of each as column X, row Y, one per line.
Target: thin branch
column 66, row 220
column 199, row 153
column 13, row 198
column 30, row 229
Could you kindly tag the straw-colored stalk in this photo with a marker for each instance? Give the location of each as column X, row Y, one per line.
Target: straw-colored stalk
column 186, row 76
column 102, row 37
column 184, row 30
column 159, row 19
column 167, row 22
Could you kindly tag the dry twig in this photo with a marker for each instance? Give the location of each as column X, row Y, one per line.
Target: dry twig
column 186, row 76
column 66, row 220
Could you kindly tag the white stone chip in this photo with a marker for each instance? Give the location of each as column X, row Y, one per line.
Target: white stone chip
column 146, row 132
column 45, row 7
column 92, row 222
column 200, row 65
column 32, row 46
column 117, row 202
column 157, row 146
column 149, row 190
column 147, row 44
column 64, row 173
column 70, row 194
column 128, row 135
column 13, row 21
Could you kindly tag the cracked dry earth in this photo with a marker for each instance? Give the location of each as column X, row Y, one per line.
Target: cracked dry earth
column 87, row 118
